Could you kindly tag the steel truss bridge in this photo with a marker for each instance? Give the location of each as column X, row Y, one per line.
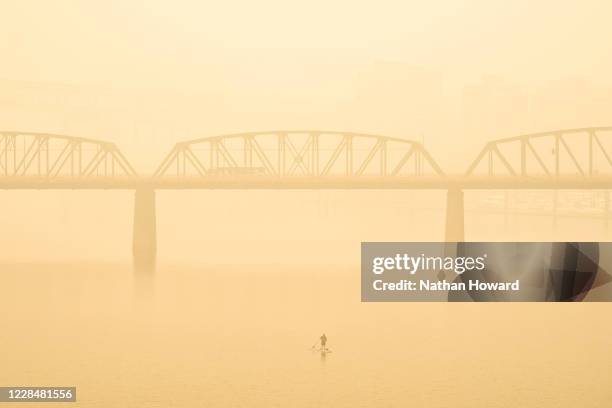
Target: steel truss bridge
column 562, row 159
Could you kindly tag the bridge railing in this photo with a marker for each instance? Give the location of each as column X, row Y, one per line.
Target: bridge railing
column 298, row 154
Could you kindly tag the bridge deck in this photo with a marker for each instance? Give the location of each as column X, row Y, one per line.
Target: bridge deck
column 311, row 183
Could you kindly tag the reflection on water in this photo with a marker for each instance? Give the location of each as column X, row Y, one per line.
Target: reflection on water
column 237, row 336
column 144, row 276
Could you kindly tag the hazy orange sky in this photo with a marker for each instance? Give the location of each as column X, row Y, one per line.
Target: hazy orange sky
column 436, row 71
column 150, row 42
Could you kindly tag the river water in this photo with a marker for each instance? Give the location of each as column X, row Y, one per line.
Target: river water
column 229, row 320
column 235, row 336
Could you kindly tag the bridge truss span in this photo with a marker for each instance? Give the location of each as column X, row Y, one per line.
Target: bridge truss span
column 48, row 157
column 287, row 154
column 577, row 153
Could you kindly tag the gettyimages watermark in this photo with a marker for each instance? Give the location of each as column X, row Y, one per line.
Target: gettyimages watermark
column 486, row 271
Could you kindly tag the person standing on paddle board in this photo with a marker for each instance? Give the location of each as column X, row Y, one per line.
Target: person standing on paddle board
column 323, row 341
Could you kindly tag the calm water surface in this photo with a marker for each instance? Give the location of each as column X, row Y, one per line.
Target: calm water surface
column 241, row 337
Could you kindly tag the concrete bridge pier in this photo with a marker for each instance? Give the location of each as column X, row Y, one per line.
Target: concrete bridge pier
column 144, row 245
column 454, row 216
